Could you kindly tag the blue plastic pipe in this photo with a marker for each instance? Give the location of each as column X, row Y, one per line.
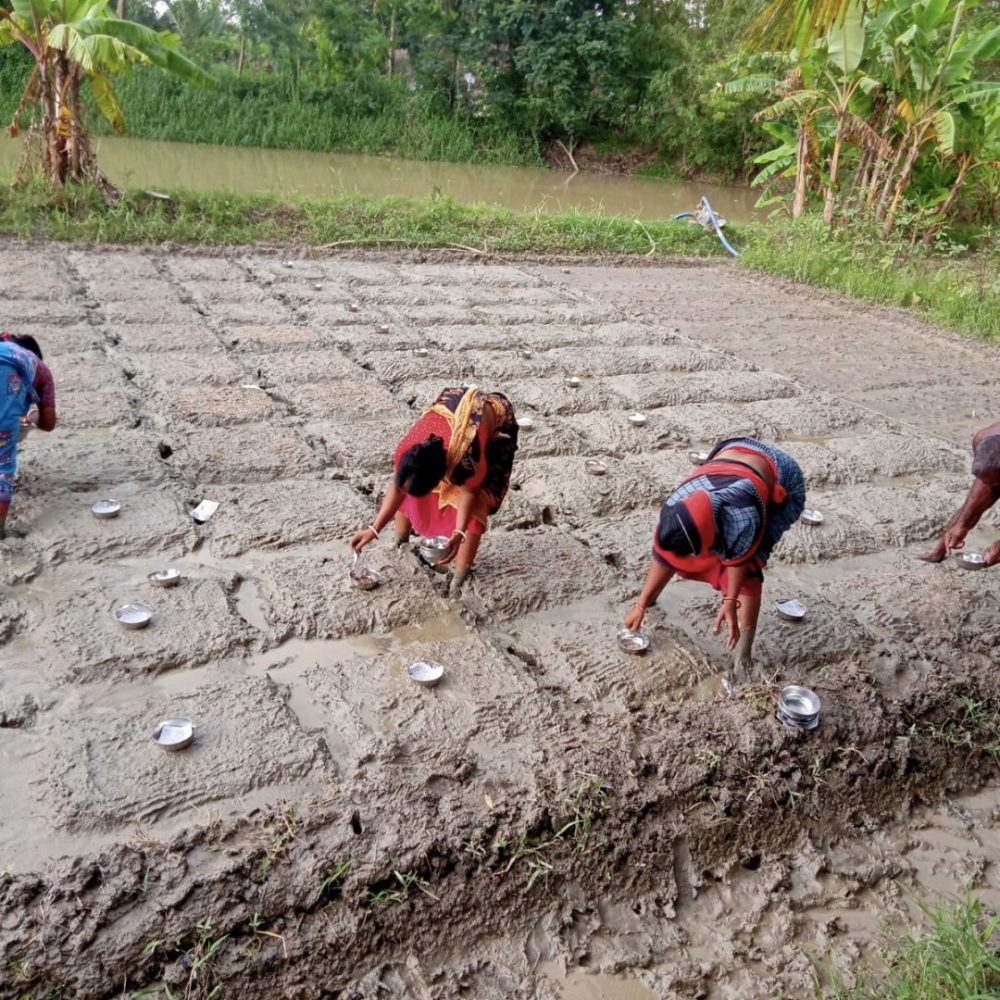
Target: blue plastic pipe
column 714, row 220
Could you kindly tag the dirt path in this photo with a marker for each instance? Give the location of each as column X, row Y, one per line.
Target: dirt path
column 552, row 803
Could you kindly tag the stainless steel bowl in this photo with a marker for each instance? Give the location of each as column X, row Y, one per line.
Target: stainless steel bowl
column 790, row 609
column 573, row 382
column 971, row 560
column 525, row 423
column 698, row 457
column 632, row 642
column 104, row 510
column 174, row 734
column 382, row 328
column 524, row 353
column 638, row 419
column 799, row 703
column 421, row 352
column 595, row 467
column 431, row 549
column 354, row 307
column 811, row 516
column 165, row 578
column 425, row 672
column 134, row 615
column 362, row 575
column 792, row 723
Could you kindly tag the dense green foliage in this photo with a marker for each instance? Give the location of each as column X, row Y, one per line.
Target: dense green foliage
column 893, row 113
column 504, row 80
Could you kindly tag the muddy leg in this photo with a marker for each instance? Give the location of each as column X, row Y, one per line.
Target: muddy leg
column 743, row 653
column 4, row 508
column 463, row 564
column 401, row 528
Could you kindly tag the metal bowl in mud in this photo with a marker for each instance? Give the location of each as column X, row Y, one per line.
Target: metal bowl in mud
column 432, row 549
column 595, row 467
column 525, row 423
column 421, row 352
column 632, row 642
column 425, row 672
column 362, row 575
column 174, row 734
column 698, row 457
column 790, row 609
column 810, row 515
column 165, row 578
column 382, row 328
column 638, row 419
column 524, row 353
column 134, row 615
column 793, row 723
column 354, row 307
column 970, row 560
column 573, row 382
column 104, row 510
column 799, row 703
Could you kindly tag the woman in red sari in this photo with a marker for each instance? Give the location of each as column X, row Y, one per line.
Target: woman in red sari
column 452, row 471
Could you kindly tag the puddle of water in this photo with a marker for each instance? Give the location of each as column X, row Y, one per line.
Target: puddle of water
column 575, row 985
column 146, row 163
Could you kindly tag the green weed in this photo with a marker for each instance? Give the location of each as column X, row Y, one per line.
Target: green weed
column 956, row 958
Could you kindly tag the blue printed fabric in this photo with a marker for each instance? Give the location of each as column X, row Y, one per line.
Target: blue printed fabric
column 736, row 509
column 17, row 374
column 780, row 517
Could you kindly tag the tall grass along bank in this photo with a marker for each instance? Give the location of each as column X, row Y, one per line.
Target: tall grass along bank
column 80, row 215
column 947, row 283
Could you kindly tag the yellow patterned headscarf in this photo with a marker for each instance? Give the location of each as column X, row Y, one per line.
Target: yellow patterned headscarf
column 464, row 425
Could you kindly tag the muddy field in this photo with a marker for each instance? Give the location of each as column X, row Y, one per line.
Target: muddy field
column 555, row 819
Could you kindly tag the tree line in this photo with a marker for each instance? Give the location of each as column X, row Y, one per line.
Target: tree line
column 881, row 107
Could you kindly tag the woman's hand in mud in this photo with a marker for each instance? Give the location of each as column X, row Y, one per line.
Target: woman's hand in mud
column 954, row 538
column 634, row 617
column 727, row 616
column 361, row 538
column 991, row 557
column 936, row 554
column 451, row 550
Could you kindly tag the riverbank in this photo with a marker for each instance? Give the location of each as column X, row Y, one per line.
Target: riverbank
column 960, row 291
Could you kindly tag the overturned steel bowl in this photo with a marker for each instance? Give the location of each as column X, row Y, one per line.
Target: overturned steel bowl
column 971, row 560
column 632, row 642
column 431, row 549
column 421, row 352
column 524, row 353
column 698, row 457
column 382, row 328
column 595, row 467
column 354, row 307
column 638, row 419
column 525, row 423
column 810, row 515
column 425, row 672
column 573, row 382
column 790, row 609
column 104, row 510
column 799, row 703
column 134, row 615
column 174, row 734
column 165, row 577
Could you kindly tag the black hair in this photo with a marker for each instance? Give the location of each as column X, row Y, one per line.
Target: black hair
column 422, row 467
column 28, row 343
column 986, row 458
column 677, row 531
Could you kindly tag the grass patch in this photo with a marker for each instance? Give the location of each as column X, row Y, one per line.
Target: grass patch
column 955, row 958
column 947, row 283
column 212, row 219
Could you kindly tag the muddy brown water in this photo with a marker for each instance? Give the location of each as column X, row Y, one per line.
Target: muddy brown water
column 724, row 853
column 156, row 164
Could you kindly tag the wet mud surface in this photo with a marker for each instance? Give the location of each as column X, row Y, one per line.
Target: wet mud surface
column 555, row 819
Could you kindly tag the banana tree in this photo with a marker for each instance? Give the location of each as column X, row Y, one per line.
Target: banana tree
column 72, row 42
